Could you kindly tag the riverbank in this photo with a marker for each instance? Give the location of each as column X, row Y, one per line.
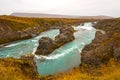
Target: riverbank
column 100, row 59
column 19, row 28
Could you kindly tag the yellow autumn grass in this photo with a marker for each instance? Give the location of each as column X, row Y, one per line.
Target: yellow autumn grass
column 110, row 71
column 16, row 69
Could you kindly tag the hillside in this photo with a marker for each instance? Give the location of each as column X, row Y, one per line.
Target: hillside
column 42, row 15
column 17, row 28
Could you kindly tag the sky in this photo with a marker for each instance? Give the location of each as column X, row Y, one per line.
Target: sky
column 65, row 7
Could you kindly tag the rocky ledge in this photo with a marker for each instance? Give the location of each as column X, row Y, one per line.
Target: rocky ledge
column 104, row 46
column 47, row 45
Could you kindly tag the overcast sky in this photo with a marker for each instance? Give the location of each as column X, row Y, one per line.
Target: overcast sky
column 67, row 7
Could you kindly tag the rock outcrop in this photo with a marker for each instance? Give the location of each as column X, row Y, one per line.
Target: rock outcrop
column 104, row 46
column 66, row 35
column 47, row 45
column 89, row 53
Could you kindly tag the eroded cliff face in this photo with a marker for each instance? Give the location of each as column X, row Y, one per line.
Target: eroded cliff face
column 104, row 46
column 47, row 45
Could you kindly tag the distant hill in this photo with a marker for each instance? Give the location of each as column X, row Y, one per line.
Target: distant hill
column 96, row 17
column 42, row 15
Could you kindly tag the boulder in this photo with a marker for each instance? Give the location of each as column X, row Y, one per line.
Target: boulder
column 66, row 35
column 67, row 28
column 64, row 38
column 46, row 46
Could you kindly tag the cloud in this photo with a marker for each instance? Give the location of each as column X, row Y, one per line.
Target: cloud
column 71, row 7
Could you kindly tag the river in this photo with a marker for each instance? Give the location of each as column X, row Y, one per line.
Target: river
column 62, row 59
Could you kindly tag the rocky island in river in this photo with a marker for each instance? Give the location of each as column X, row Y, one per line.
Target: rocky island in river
column 47, row 45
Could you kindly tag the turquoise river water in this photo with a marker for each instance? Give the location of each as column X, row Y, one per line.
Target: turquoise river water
column 62, row 59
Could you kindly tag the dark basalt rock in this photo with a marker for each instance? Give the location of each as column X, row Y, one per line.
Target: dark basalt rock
column 99, row 37
column 47, row 45
column 105, row 46
column 66, row 35
column 64, row 38
column 90, row 54
column 99, row 51
column 66, row 28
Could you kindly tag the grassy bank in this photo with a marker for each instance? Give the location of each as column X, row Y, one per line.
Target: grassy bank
column 18, row 69
column 20, row 23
